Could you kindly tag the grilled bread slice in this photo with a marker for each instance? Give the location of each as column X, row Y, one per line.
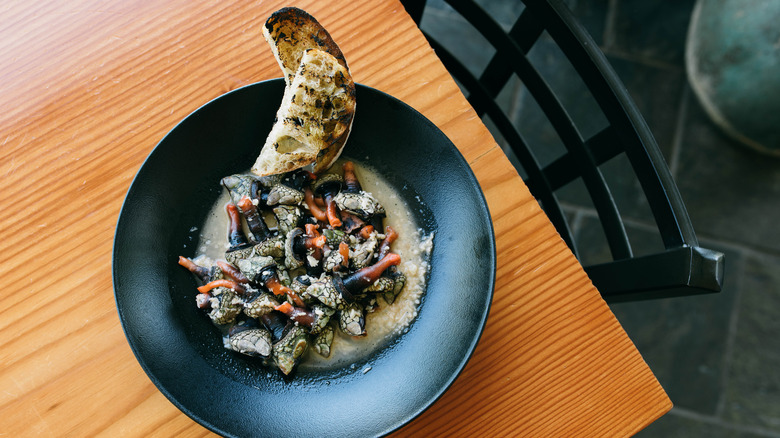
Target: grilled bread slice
column 314, row 119
column 290, row 32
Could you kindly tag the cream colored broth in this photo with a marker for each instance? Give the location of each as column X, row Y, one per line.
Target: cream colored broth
column 389, row 320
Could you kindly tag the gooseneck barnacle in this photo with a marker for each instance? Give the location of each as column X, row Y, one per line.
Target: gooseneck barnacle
column 328, row 186
column 355, row 283
column 351, row 183
column 289, row 283
column 239, row 247
column 250, row 340
column 355, row 200
column 254, row 219
column 203, row 273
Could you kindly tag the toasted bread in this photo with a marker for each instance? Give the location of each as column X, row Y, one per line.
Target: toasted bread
column 290, row 32
column 318, row 106
column 314, row 119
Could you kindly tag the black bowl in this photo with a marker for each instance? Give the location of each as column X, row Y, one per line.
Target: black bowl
column 182, row 352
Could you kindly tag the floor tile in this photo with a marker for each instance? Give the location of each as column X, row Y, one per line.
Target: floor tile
column 678, row 426
column 574, row 96
column 753, row 391
column 657, row 93
column 457, row 36
column 731, row 191
column 684, row 340
column 592, row 15
column 504, row 12
column 652, row 30
column 592, row 244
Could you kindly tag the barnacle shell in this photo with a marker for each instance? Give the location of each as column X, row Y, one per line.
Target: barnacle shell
column 362, row 253
column 291, row 259
column 283, row 275
column 238, row 186
column 270, row 180
column 290, row 348
column 252, row 342
column 254, row 266
column 382, row 284
column 326, row 293
column 225, row 305
column 332, row 261
column 324, row 340
column 360, row 203
column 326, row 180
column 233, row 257
column 282, row 194
column 322, row 317
column 287, row 217
column 272, row 247
column 260, row 305
column 334, row 237
column 399, row 281
column 352, row 320
column 300, row 283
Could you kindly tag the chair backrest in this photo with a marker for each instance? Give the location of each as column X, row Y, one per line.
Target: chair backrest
column 681, row 267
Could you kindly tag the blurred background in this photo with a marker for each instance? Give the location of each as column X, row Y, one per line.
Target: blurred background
column 716, row 355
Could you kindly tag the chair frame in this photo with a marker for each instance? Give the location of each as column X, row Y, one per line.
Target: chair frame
column 683, row 268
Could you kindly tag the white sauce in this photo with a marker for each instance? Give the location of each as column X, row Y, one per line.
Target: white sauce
column 389, row 320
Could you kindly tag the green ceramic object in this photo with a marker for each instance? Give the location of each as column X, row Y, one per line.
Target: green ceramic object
column 733, row 65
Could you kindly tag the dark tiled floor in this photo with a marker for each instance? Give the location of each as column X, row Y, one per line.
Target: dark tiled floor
column 717, row 355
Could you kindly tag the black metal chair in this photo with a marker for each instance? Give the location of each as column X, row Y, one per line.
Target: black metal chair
column 682, row 267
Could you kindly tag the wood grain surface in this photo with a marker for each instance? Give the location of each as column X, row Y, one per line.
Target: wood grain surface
column 88, row 89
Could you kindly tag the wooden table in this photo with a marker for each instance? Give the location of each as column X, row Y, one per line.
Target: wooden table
column 88, row 89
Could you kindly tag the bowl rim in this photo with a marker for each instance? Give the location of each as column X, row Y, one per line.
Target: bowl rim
column 471, row 346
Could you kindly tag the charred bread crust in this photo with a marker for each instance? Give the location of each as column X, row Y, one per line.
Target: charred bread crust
column 290, row 32
column 314, row 119
column 344, row 116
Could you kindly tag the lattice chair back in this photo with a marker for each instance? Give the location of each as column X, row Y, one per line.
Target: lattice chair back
column 681, row 267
